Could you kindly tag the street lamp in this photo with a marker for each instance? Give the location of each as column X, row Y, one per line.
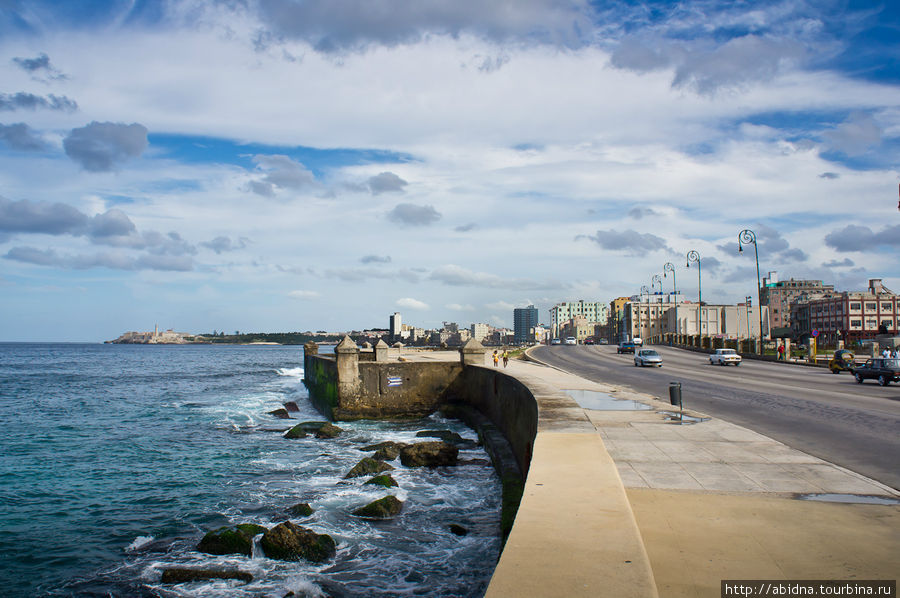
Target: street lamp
column 693, row 256
column 668, row 267
column 656, row 280
column 745, row 237
column 644, row 289
column 747, row 299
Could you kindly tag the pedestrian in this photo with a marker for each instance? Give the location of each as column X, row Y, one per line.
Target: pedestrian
column 886, row 353
column 896, row 354
column 781, row 352
column 496, row 358
column 505, row 358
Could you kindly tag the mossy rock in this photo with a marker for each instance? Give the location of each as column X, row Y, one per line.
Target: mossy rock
column 231, row 540
column 185, row 575
column 289, row 542
column 383, row 480
column 296, row 432
column 429, row 454
column 280, row 414
column 301, row 510
column 368, row 466
column 386, row 451
column 383, row 508
column 328, row 431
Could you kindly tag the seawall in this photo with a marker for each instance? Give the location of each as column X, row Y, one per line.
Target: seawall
column 574, row 533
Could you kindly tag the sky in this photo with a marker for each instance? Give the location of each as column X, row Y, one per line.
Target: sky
column 290, row 165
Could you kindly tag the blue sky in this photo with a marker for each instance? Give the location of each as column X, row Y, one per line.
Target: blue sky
column 278, row 165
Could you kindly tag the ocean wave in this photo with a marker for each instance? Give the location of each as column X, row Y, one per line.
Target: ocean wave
column 290, row 372
column 139, row 543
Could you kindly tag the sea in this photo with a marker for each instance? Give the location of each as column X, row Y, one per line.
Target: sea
column 115, row 460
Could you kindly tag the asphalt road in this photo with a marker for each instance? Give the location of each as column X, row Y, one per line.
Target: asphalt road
column 856, row 426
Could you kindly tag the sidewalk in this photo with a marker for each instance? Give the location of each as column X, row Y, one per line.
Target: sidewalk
column 711, row 501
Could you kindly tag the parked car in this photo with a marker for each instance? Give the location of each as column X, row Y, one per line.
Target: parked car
column 555, row 341
column 885, row 370
column 571, row 340
column 626, row 347
column 647, row 357
column 841, row 361
column 724, row 357
column 589, row 341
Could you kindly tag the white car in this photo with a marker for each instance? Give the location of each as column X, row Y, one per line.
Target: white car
column 725, row 357
column 644, row 357
column 571, row 341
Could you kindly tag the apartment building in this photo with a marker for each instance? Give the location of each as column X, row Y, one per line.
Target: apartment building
column 848, row 316
column 592, row 311
column 779, row 295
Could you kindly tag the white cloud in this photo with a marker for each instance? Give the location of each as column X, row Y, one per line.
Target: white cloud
column 410, row 303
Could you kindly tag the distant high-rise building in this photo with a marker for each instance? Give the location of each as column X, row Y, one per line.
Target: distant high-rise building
column 592, row 311
column 524, row 319
column 396, row 326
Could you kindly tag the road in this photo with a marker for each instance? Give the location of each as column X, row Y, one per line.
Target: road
column 856, row 426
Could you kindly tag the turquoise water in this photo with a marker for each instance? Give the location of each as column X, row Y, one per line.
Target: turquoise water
column 117, row 458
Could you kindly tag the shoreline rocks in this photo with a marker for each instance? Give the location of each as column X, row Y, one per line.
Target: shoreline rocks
column 383, row 508
column 231, row 540
column 429, row 454
column 290, row 542
column 368, row 466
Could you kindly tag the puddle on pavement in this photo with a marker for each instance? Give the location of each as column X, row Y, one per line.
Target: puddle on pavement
column 600, row 401
column 851, row 498
column 680, row 418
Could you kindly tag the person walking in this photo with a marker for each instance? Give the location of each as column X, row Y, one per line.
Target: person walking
column 505, row 358
column 781, row 352
column 496, row 358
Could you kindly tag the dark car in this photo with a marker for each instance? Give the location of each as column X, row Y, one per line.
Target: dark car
column 588, row 341
column 627, row 347
column 885, row 370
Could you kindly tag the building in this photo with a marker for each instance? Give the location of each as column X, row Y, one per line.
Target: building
column 524, row 321
column 847, row 316
column 659, row 322
column 616, row 319
column 480, row 331
column 592, row 311
column 779, row 295
column 396, row 327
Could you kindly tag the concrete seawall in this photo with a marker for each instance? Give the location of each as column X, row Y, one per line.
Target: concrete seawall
column 574, row 532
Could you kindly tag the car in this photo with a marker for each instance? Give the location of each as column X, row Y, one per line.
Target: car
column 638, row 341
column 841, row 361
column 602, row 341
column 589, row 341
column 555, row 341
column 885, row 370
column 647, row 357
column 724, row 357
column 570, row 340
column 626, row 347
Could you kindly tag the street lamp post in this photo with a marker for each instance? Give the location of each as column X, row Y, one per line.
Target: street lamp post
column 747, row 299
column 656, row 280
column 668, row 267
column 745, row 237
column 644, row 289
column 693, row 256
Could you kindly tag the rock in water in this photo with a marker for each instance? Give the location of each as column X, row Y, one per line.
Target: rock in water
column 458, row 529
column 445, row 435
column 289, row 542
column 367, row 466
column 301, row 510
column 385, row 451
column 328, row 431
column 383, row 508
column 383, row 480
column 429, row 454
column 231, row 540
column 184, row 575
column 280, row 414
column 292, row 406
column 296, row 432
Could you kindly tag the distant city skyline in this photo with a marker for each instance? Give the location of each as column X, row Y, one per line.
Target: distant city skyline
column 283, row 165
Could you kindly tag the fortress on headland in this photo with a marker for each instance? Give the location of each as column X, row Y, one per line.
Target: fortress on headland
column 169, row 337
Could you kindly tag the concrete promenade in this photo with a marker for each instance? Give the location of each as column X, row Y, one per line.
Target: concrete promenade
column 629, row 503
